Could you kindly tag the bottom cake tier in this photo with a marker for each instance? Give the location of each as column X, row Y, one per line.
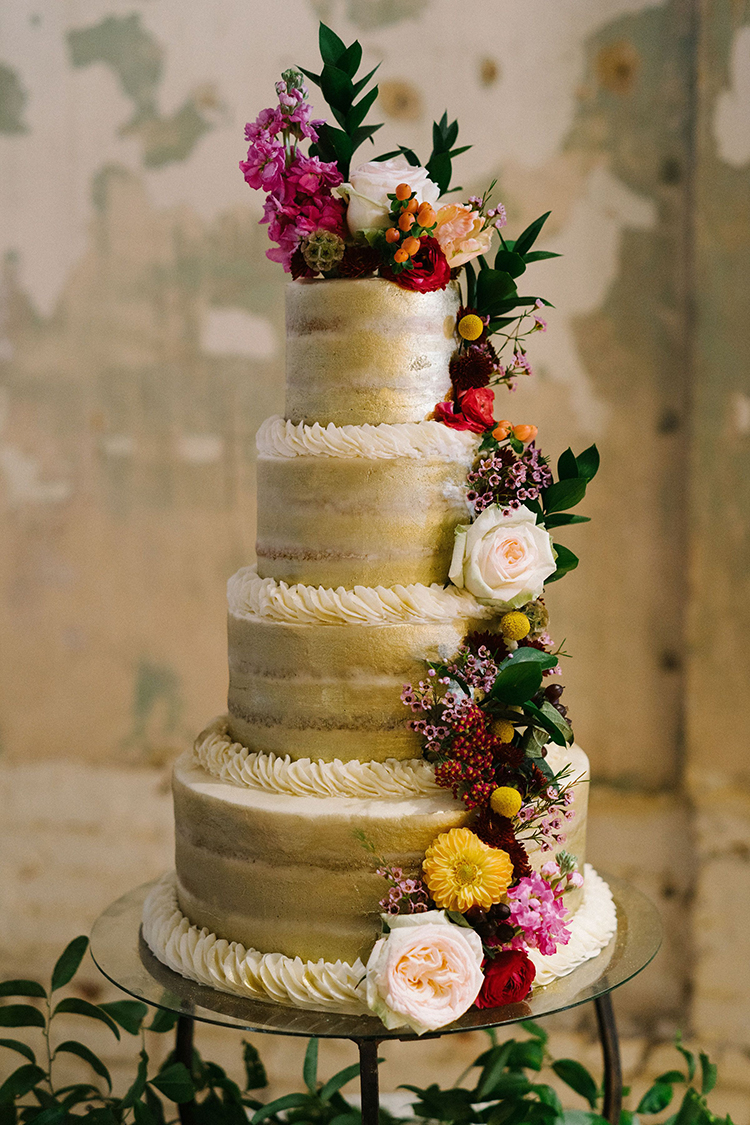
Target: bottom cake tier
column 336, row 986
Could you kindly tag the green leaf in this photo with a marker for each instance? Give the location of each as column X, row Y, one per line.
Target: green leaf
column 525, row 654
column 548, row 1096
column 494, row 287
column 536, row 1030
column 21, row 988
column 54, row 1113
column 339, row 1080
column 70, row 1047
column 175, row 1083
column 155, row 1105
column 672, row 1076
column 656, row 1099
column 255, row 1072
column 585, row 1117
column 547, row 716
column 20, row 1082
column 130, row 1014
column 439, row 170
column 576, row 1076
column 288, row 1101
column 100, row 1116
column 588, row 463
column 358, row 112
column 337, row 91
column 139, row 1083
column 540, row 256
column 22, row 1048
column 143, row 1114
column 471, row 284
column 310, row 1066
column 708, row 1073
column 564, row 494
column 516, row 683
column 331, row 47
column 567, row 466
column 73, row 1006
column 527, row 1054
column 510, row 262
column 69, row 961
column 8, row 1114
column 508, row 1084
column 77, row 1093
column 21, row 1015
column 351, row 58
column 359, row 85
column 566, row 561
column 562, row 519
column 534, row 740
column 163, row 1020
column 688, row 1056
column 526, row 240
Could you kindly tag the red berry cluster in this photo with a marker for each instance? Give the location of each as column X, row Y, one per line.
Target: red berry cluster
column 476, row 756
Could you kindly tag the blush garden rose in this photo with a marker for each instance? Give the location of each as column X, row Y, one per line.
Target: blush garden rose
column 503, row 557
column 370, row 185
column 462, row 234
column 425, row 973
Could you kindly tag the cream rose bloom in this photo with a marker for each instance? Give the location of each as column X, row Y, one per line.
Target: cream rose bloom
column 503, row 557
column 370, row 185
column 459, row 232
column 425, row 973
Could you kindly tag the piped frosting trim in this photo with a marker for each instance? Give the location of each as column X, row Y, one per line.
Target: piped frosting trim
column 250, row 595
column 278, row 437
column 228, row 966
column 591, row 929
column 333, row 986
column 234, row 763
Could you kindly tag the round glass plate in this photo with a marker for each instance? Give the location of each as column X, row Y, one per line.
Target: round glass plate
column 121, row 954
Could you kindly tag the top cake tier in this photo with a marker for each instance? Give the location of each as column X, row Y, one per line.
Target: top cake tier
column 366, row 350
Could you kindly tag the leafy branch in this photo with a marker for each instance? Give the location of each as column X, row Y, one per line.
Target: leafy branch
column 440, row 165
column 337, row 83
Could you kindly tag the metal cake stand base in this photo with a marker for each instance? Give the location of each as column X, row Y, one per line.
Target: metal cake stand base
column 124, row 958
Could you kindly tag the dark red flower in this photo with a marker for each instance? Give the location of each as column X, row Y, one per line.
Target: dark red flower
column 475, row 407
column 471, row 368
column 497, row 832
column 298, row 267
column 508, row 978
column 429, row 271
column 359, row 260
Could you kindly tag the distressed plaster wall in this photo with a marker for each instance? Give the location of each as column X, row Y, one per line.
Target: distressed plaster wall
column 141, row 337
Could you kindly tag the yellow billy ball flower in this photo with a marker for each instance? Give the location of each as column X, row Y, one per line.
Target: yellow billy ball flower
column 461, row 871
column 506, row 801
column 503, row 730
column 515, row 626
column 470, row 327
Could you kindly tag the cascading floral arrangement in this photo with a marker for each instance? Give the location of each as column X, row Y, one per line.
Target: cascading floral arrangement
column 460, row 931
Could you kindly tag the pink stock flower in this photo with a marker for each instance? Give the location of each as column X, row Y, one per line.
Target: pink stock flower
column 538, row 910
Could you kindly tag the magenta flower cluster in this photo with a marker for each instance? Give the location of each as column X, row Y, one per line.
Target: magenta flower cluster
column 298, row 187
column 508, row 479
column 538, row 911
column 405, row 896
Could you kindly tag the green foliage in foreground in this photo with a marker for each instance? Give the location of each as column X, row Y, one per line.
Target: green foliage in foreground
column 508, row 1089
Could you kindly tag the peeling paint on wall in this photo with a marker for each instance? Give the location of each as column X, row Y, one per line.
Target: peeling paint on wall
column 12, row 100
column 732, row 112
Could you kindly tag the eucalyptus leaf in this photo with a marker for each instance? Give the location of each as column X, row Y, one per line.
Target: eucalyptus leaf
column 175, row 1083
column 71, row 1047
column 21, row 988
column 21, row 1048
column 576, row 1076
column 20, row 1082
column 21, row 1015
column 74, row 1006
column 69, row 962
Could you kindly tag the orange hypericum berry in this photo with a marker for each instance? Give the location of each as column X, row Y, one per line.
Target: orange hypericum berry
column 411, row 246
column 501, row 430
column 525, row 433
column 426, row 216
column 412, row 206
column 392, row 235
column 406, row 222
column 403, row 191
column 401, row 256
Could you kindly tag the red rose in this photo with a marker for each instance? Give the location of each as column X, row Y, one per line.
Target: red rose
column 430, row 269
column 507, row 979
column 475, row 407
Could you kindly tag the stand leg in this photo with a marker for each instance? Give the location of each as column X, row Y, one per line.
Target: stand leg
column 183, row 1052
column 368, row 1080
column 605, row 1020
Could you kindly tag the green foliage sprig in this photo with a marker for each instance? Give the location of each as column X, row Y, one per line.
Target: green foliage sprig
column 440, row 165
column 507, row 1090
column 339, row 88
column 492, row 290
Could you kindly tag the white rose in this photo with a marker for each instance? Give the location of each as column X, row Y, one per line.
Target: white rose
column 370, row 185
column 425, row 973
column 503, row 557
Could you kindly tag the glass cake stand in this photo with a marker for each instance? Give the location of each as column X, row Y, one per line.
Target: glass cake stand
column 121, row 954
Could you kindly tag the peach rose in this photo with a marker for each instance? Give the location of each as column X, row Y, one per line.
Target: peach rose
column 459, row 232
column 503, row 557
column 425, row 973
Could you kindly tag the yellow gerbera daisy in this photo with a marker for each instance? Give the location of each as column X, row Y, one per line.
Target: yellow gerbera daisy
column 462, row 871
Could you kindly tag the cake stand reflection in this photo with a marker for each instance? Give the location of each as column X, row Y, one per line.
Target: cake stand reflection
column 121, row 954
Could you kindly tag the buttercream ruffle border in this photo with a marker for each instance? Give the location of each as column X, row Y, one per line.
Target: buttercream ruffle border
column 218, row 755
column 250, row 595
column 325, row 985
column 278, row 437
